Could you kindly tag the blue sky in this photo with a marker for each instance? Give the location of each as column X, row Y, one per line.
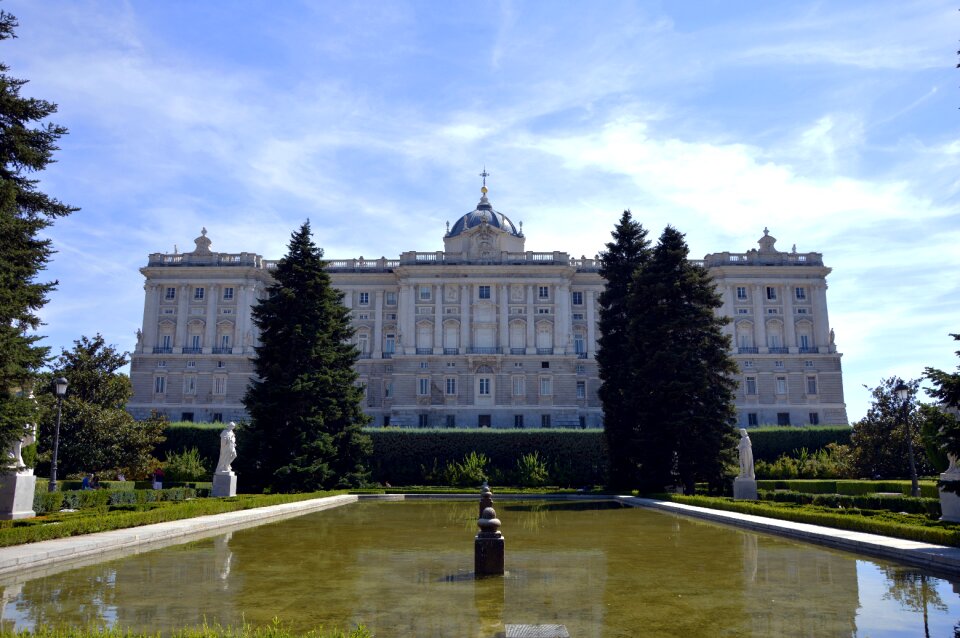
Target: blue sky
column 833, row 124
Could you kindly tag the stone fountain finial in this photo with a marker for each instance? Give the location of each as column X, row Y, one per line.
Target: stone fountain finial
column 488, row 544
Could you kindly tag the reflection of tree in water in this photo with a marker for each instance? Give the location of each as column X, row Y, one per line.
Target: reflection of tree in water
column 88, row 600
column 915, row 591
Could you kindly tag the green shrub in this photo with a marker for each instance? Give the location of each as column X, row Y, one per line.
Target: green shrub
column 100, row 500
column 531, row 471
column 185, row 466
column 772, row 442
column 472, row 471
column 204, row 437
column 928, row 506
column 928, row 489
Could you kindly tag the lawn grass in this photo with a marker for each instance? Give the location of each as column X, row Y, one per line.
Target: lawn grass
column 276, row 630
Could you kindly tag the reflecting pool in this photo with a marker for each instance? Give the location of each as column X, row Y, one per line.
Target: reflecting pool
column 404, row 569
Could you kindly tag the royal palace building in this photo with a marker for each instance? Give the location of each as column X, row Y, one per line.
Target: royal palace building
column 481, row 333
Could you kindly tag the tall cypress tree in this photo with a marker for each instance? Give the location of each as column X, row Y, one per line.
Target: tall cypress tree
column 26, row 147
column 627, row 252
column 681, row 372
column 305, row 406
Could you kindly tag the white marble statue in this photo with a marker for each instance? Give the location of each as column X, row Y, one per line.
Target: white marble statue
column 953, row 472
column 746, row 456
column 228, row 449
column 15, row 454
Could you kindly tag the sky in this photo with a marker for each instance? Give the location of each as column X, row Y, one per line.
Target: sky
column 832, row 124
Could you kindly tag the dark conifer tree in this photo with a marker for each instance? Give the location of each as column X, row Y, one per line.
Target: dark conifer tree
column 305, row 431
column 628, row 250
column 26, row 147
column 680, row 374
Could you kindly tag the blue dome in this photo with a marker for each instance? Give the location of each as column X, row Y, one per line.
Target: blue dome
column 484, row 213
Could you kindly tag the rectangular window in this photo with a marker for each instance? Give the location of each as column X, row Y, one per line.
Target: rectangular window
column 783, row 418
column 424, row 365
column 451, row 388
column 752, row 418
column 741, row 292
column 804, row 341
column 387, row 389
column 581, row 369
column 583, row 422
column 581, row 389
column 224, row 341
column 190, row 384
column 186, row 416
column 545, row 365
column 221, row 364
column 771, row 293
column 227, row 294
column 811, row 385
column 191, row 364
column 814, row 418
column 485, row 386
column 159, row 385
column 423, row 387
column 543, row 292
column 217, row 417
column 801, row 294
column 543, row 311
column 424, row 293
column 743, row 311
column 391, row 298
column 546, row 386
column 578, row 316
column 195, row 342
column 198, row 294
column 364, row 298
column 748, row 363
column 801, row 311
column 518, row 421
column 577, row 298
column 544, row 420
column 389, row 344
column 773, row 311
column 422, row 420
column 778, row 364
column 750, row 387
column 519, row 386
column 483, row 292
column 808, row 364
column 171, row 293
column 161, row 364
column 781, row 385
column 451, row 421
column 220, row 385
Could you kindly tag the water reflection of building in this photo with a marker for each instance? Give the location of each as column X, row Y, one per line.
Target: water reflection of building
column 793, row 589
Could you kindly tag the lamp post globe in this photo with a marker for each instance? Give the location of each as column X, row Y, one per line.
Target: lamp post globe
column 903, row 393
column 60, row 387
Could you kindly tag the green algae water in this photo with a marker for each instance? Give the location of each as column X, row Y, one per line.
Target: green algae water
column 405, row 569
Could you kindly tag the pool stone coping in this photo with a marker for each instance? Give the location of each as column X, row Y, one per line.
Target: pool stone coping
column 22, row 561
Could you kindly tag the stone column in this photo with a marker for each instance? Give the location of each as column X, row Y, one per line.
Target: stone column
column 591, row 324
column 503, row 298
column 563, row 326
column 789, row 322
column 438, row 319
column 151, row 309
column 465, row 300
column 183, row 307
column 531, row 323
column 210, row 319
column 759, row 319
column 377, row 336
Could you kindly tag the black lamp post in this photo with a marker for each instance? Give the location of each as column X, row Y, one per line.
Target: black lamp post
column 903, row 393
column 60, row 385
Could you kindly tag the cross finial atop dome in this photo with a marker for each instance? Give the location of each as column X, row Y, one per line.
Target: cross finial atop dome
column 484, row 175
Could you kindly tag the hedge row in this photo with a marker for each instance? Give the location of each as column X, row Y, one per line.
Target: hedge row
column 769, row 443
column 46, row 502
column 907, row 526
column 182, row 436
column 928, row 489
column 927, row 506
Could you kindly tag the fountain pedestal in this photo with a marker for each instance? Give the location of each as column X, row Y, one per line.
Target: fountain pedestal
column 744, row 489
column 488, row 545
column 16, row 495
column 949, row 501
column 224, row 484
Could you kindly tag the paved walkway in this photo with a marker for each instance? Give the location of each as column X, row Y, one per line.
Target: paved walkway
column 937, row 558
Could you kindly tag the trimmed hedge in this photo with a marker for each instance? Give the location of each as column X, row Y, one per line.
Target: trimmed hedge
column 573, row 457
column 182, row 436
column 927, row 506
column 928, row 489
column 770, row 442
column 913, row 527
column 47, row 502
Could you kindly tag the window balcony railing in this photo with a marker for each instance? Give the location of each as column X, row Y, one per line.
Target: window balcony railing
column 484, row 350
column 387, row 355
column 748, row 350
column 424, row 350
column 451, row 351
column 581, row 355
column 223, row 350
column 544, row 350
column 364, row 355
column 779, row 350
column 192, row 351
column 162, row 350
column 518, row 351
column 809, row 350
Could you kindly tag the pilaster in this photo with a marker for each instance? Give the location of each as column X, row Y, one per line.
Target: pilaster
column 210, row 320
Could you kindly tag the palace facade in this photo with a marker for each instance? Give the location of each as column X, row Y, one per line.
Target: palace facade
column 481, row 333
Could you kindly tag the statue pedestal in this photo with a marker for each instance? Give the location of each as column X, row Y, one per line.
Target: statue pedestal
column 949, row 502
column 224, row 484
column 488, row 555
column 16, row 496
column 744, row 489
